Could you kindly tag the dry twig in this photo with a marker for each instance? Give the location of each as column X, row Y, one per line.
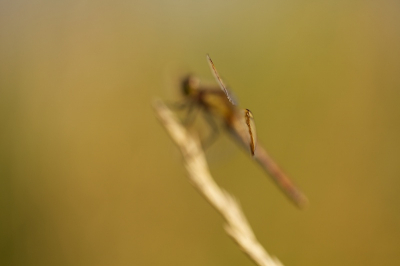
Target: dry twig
column 237, row 226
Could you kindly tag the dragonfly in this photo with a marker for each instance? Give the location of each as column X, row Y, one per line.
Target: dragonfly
column 219, row 103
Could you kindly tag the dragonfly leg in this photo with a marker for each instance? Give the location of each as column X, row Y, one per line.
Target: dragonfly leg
column 190, row 111
column 190, row 115
column 179, row 105
column 214, row 131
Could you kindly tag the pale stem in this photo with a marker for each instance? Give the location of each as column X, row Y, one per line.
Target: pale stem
column 236, row 223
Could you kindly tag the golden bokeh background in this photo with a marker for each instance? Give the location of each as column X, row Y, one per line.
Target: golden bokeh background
column 89, row 177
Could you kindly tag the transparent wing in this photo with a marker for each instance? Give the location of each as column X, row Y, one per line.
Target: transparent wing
column 252, row 130
column 244, row 130
column 219, row 80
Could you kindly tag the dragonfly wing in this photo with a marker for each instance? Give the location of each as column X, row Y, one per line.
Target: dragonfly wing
column 244, row 130
column 219, row 80
column 249, row 119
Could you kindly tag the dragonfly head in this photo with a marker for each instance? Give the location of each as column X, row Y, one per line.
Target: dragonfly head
column 189, row 85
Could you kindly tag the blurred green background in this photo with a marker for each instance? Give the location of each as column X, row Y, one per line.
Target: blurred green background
column 89, row 177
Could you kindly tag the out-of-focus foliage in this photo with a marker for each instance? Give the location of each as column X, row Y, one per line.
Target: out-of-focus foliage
column 89, row 177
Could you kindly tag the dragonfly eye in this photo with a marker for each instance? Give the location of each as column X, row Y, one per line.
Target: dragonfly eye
column 189, row 84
